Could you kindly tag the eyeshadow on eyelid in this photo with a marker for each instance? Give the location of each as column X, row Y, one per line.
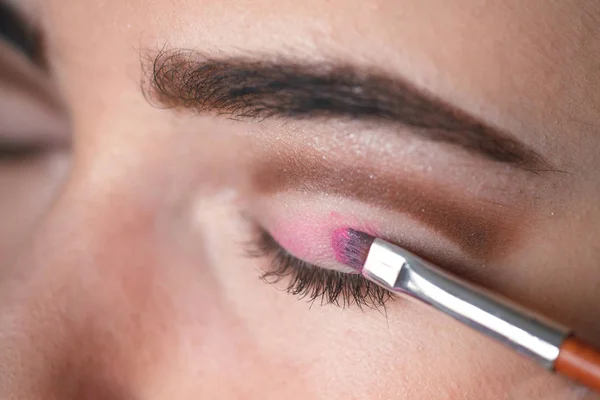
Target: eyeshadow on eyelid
column 290, row 237
column 308, row 236
column 477, row 228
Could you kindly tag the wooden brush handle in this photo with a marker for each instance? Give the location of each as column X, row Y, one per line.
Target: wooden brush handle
column 579, row 361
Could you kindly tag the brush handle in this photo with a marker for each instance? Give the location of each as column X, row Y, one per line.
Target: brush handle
column 549, row 344
column 579, row 361
column 408, row 275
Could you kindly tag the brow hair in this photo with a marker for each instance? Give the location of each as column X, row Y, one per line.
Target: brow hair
column 262, row 87
column 22, row 33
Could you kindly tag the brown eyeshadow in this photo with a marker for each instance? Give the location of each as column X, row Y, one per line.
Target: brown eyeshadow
column 478, row 227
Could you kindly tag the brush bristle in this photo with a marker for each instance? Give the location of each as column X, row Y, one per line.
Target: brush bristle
column 352, row 247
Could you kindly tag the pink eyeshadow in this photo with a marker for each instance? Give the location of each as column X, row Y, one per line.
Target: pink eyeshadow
column 339, row 242
column 293, row 237
column 318, row 238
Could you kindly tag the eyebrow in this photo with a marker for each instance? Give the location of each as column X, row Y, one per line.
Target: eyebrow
column 16, row 29
column 261, row 88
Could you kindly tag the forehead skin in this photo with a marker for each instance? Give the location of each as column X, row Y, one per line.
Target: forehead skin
column 523, row 66
column 530, row 67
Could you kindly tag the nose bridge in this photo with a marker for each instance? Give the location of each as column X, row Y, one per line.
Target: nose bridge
column 76, row 304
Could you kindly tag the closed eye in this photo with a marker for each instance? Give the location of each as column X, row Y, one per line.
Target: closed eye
column 312, row 283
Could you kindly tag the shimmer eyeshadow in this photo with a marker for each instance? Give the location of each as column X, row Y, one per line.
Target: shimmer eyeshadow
column 477, row 228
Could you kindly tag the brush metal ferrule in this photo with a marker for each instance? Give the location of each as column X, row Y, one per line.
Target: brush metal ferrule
column 404, row 273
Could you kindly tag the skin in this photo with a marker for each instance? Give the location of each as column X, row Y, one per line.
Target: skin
column 126, row 277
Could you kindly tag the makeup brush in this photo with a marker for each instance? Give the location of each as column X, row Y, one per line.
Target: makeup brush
column 552, row 346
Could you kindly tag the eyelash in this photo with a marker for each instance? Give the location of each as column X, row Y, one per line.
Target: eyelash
column 313, row 283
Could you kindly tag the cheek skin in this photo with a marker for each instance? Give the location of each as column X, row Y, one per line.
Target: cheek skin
column 313, row 238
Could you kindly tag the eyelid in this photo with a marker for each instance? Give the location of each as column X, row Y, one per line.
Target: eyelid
column 304, row 226
column 462, row 213
column 313, row 283
column 25, row 121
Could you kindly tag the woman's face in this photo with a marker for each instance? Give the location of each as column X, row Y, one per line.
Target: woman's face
column 160, row 157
